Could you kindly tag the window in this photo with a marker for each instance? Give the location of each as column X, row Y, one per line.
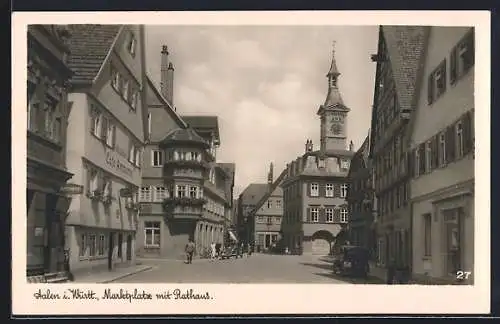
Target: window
column 131, row 44
column 343, row 215
column 95, row 122
column 269, row 219
column 131, row 153
column 110, row 135
column 116, row 82
column 314, row 215
column 442, row 150
column 183, row 156
column 181, row 191
column 427, row 235
column 460, row 139
column 106, row 187
column 278, row 203
column 314, row 190
column 145, row 194
column 160, row 193
column 101, row 245
column 417, row 162
column 193, row 192
column 462, row 57
column 134, row 98
column 329, row 215
column 437, row 82
column 149, row 125
column 50, row 117
column 152, row 234
column 194, row 156
column 329, row 190
column 83, row 245
column 157, row 158
column 92, row 245
column 93, row 180
column 344, row 165
column 343, row 190
column 125, row 90
column 428, row 156
column 269, row 204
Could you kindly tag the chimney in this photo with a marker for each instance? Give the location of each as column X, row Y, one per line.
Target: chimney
column 270, row 175
column 167, row 76
column 351, row 146
column 309, row 146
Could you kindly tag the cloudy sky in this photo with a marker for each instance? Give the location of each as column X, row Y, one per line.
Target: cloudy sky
column 265, row 84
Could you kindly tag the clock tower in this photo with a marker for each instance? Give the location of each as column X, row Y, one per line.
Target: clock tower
column 333, row 113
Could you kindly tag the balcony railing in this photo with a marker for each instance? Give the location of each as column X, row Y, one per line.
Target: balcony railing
column 184, row 201
column 186, row 163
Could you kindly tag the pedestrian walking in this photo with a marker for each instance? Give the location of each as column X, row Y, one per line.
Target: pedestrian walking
column 189, row 251
column 213, row 252
column 249, row 250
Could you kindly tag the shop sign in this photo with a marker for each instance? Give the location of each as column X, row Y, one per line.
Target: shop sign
column 115, row 161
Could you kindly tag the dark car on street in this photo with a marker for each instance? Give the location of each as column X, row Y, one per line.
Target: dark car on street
column 231, row 251
column 352, row 261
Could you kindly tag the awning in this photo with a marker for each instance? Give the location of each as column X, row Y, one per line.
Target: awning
column 233, row 236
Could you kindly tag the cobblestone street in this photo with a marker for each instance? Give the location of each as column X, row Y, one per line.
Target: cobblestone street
column 258, row 268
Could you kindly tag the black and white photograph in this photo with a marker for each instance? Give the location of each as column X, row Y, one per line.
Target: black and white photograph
column 339, row 155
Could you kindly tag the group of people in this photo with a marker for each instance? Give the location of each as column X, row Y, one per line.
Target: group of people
column 216, row 250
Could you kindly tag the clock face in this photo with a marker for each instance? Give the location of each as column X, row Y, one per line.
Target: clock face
column 336, row 128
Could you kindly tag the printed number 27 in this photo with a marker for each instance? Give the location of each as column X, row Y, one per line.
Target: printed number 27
column 463, row 275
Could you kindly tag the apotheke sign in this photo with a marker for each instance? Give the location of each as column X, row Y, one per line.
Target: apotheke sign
column 116, row 162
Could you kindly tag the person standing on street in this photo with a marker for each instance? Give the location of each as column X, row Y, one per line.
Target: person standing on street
column 189, row 251
column 213, row 251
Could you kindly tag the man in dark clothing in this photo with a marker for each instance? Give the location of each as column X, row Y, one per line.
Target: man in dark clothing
column 189, row 251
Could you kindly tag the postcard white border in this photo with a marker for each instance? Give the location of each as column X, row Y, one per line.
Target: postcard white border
column 264, row 298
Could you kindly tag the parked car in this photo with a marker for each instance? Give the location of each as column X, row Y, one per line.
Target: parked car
column 351, row 261
column 231, row 251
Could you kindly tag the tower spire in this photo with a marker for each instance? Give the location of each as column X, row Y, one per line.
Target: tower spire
column 333, row 97
column 333, row 72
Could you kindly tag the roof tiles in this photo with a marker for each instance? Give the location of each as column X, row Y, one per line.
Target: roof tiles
column 89, row 45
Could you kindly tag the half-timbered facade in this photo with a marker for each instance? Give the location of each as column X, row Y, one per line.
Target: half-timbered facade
column 398, row 61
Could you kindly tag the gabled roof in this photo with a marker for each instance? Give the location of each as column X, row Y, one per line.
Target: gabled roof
column 270, row 191
column 405, row 46
column 182, row 136
column 89, row 46
column 170, row 109
column 405, row 49
column 204, row 123
column 253, row 193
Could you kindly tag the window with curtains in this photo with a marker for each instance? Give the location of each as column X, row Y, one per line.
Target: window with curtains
column 152, row 234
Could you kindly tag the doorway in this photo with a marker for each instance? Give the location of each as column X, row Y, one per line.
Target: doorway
column 110, row 251
column 129, row 247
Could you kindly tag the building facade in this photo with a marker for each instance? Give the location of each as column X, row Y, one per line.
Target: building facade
column 315, row 185
column 104, row 148
column 47, row 175
column 399, row 56
column 360, row 200
column 268, row 214
column 247, row 201
column 183, row 192
column 442, row 186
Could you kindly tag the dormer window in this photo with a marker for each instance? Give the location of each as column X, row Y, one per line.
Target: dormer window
column 131, row 44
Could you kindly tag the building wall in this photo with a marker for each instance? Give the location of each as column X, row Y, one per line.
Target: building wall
column 47, row 75
column 451, row 185
column 107, row 222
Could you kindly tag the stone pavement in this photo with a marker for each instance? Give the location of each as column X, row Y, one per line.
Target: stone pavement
column 106, row 276
column 258, row 268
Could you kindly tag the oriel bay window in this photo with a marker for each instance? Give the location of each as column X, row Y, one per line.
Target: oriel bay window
column 181, row 191
column 152, row 231
column 193, row 192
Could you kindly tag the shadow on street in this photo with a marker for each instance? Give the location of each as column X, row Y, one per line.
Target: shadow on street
column 368, row 281
column 324, row 266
